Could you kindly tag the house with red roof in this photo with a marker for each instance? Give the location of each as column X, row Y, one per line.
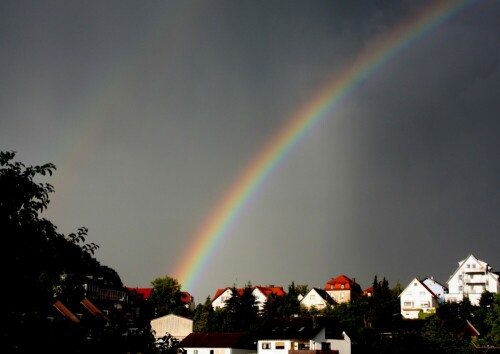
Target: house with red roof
column 261, row 293
column 343, row 289
column 144, row 293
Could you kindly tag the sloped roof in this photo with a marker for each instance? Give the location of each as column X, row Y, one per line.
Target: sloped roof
column 344, row 280
column 92, row 308
column 239, row 340
column 422, row 284
column 324, row 295
column 300, row 328
column 65, row 311
column 146, row 293
column 268, row 290
column 265, row 290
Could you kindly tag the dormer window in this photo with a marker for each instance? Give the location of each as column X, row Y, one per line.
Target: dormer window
column 342, row 286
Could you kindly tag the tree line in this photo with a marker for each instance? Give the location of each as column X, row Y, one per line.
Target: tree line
column 42, row 265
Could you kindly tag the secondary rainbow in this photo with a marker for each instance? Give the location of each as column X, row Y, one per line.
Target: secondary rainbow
column 212, row 231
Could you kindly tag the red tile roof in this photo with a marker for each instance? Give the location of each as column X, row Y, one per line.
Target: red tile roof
column 266, row 290
column 65, row 311
column 92, row 308
column 342, row 280
column 146, row 293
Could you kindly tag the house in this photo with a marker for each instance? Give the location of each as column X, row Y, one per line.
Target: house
column 186, row 298
column 343, row 289
column 317, row 298
column 472, row 277
column 177, row 326
column 220, row 343
column 303, row 335
column 437, row 288
column 260, row 293
column 417, row 297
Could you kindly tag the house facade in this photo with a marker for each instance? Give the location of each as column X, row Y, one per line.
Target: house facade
column 177, row 326
column 416, row 298
column 472, row 277
column 218, row 343
column 343, row 289
column 259, row 292
column 437, row 288
column 303, row 335
column 317, row 298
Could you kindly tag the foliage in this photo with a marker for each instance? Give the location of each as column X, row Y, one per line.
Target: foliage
column 204, row 317
column 44, row 265
column 166, row 296
column 167, row 344
column 40, row 260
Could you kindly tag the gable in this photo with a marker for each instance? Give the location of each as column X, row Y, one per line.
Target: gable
column 418, row 285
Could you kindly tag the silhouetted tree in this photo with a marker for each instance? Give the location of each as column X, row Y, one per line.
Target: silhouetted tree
column 166, row 296
column 204, row 317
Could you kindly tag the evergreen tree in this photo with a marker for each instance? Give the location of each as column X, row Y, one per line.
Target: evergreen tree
column 203, row 317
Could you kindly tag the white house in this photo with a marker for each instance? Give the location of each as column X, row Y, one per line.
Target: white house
column 295, row 334
column 177, row 326
column 317, row 298
column 417, row 297
column 218, row 343
column 259, row 292
column 472, row 277
column 437, row 288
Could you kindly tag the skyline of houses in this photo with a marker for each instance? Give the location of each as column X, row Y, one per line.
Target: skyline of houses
column 422, row 295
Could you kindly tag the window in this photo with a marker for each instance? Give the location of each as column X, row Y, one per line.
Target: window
column 342, row 286
column 460, row 288
column 325, row 346
column 211, row 351
column 196, row 351
column 312, row 297
column 460, row 277
column 280, row 345
column 408, row 304
column 342, row 296
column 265, row 345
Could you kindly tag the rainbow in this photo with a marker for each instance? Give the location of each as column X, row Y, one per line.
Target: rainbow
column 212, row 231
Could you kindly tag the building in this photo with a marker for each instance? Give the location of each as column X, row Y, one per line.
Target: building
column 437, row 288
column 317, row 298
column 177, row 326
column 472, row 277
column 260, row 293
column 417, row 298
column 219, row 343
column 303, row 335
column 343, row 289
